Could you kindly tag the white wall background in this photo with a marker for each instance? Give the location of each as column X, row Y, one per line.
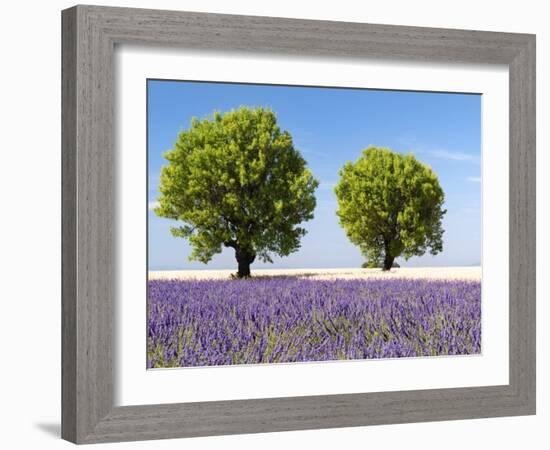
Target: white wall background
column 30, row 236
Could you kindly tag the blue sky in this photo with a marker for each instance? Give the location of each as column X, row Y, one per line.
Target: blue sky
column 331, row 126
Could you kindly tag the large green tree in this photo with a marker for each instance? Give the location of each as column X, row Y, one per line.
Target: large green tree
column 236, row 180
column 390, row 205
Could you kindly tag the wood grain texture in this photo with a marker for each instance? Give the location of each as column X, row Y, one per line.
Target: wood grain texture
column 89, row 36
column 68, row 226
column 523, row 224
column 87, row 207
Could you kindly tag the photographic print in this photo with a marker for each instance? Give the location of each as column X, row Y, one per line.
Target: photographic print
column 296, row 224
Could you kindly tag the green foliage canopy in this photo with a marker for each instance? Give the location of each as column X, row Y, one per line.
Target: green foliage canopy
column 236, row 180
column 390, row 205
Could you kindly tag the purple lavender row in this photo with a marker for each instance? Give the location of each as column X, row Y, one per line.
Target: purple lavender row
column 273, row 320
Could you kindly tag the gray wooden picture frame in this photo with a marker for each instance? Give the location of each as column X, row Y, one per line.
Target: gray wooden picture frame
column 90, row 34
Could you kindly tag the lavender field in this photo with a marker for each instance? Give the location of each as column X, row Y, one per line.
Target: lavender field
column 289, row 319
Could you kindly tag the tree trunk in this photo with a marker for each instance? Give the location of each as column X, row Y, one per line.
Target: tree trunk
column 244, row 258
column 244, row 269
column 388, row 258
column 388, row 262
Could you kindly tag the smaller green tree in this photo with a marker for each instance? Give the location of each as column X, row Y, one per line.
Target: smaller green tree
column 235, row 180
column 390, row 205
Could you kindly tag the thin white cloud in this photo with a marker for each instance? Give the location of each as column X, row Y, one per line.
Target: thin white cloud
column 454, row 156
column 153, row 205
column 474, row 179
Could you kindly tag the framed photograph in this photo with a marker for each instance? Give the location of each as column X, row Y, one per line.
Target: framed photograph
column 279, row 224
